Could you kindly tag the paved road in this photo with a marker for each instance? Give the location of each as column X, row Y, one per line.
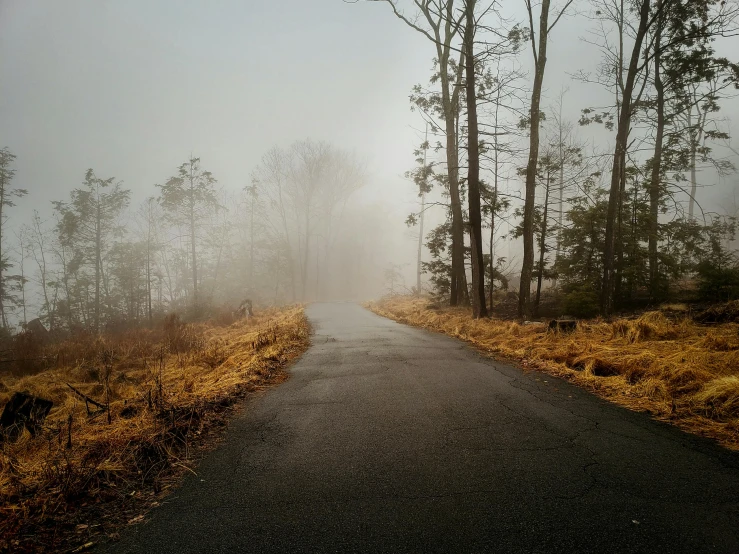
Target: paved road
column 393, row 439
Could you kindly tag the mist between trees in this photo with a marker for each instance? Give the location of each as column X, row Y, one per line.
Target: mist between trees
column 608, row 206
column 605, row 225
column 102, row 264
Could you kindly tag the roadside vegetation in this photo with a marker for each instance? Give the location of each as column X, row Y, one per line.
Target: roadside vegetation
column 680, row 368
column 130, row 412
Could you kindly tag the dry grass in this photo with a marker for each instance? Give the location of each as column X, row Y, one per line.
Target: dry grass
column 167, row 388
column 674, row 368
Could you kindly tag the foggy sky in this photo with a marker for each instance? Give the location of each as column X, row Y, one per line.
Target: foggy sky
column 131, row 88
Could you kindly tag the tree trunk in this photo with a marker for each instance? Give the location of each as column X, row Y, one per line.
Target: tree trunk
column 98, row 263
column 421, row 215
column 495, row 195
column 420, row 245
column 23, row 280
column 41, row 263
column 542, row 245
column 3, row 319
column 622, row 135
column 251, row 245
column 524, row 294
column 634, row 242
column 305, row 255
column 492, row 236
column 193, row 248
column 452, row 155
column 65, row 280
column 693, row 182
column 148, row 265
column 479, row 307
column 655, row 181
column 696, row 137
column 617, row 286
column 560, row 216
column 441, row 19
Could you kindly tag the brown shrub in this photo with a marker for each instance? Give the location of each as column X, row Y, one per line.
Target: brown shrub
column 28, row 353
column 720, row 313
column 719, row 398
column 160, row 401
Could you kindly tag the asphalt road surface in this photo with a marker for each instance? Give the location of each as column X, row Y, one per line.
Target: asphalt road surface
column 393, row 439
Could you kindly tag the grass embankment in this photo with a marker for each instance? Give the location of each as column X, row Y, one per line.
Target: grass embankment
column 676, row 369
column 169, row 388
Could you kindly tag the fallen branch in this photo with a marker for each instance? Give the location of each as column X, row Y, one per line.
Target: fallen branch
column 87, row 399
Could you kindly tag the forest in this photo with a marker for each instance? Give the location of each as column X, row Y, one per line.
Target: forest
column 604, row 227
column 99, row 264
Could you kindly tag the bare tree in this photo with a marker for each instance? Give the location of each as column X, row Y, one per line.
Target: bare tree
column 39, row 247
column 271, row 177
column 307, row 187
column 479, row 307
column 539, row 51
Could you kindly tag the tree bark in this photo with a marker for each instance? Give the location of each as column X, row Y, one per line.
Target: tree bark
column 479, row 307
column 542, row 244
column 452, row 154
column 560, row 216
column 618, row 275
column 492, row 236
column 422, row 214
column 192, row 244
column 443, row 29
column 98, row 262
column 3, row 319
column 696, row 137
column 656, row 177
column 540, row 58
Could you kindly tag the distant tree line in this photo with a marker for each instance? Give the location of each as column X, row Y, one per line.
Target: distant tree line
column 98, row 263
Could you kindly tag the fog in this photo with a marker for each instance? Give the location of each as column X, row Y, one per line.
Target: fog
column 135, row 89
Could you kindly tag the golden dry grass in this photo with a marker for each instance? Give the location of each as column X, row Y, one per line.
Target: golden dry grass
column 167, row 387
column 678, row 370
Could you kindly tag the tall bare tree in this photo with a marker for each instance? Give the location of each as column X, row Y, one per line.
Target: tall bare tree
column 477, row 295
column 306, row 187
column 539, row 51
column 39, row 250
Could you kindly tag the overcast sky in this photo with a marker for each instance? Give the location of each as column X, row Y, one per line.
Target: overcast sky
column 131, row 88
